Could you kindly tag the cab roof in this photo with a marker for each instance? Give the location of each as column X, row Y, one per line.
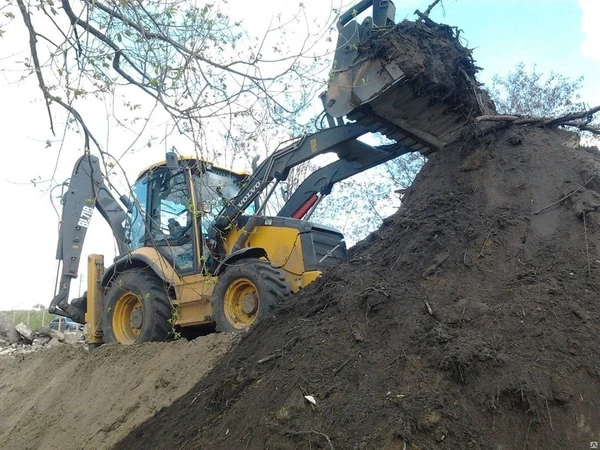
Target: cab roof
column 191, row 160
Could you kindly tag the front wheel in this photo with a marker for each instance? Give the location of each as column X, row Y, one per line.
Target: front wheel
column 246, row 293
column 137, row 308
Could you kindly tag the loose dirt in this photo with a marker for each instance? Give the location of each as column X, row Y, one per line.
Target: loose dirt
column 70, row 398
column 469, row 320
column 434, row 98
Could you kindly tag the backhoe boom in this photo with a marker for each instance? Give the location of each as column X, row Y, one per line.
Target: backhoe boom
column 321, row 181
column 87, row 191
column 277, row 166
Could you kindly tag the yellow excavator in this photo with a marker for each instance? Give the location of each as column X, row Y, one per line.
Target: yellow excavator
column 196, row 248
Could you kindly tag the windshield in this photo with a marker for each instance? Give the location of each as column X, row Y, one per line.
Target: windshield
column 214, row 188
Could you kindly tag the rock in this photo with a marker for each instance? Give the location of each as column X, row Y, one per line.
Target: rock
column 58, row 335
column 7, row 330
column 27, row 333
column 29, row 341
column 53, row 342
column 41, row 340
column 72, row 337
column 44, row 331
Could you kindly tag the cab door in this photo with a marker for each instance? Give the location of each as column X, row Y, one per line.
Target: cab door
column 170, row 224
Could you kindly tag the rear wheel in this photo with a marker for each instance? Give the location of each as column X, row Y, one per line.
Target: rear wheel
column 137, row 308
column 246, row 293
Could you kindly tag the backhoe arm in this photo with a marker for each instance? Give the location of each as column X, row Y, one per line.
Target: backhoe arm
column 322, row 180
column 337, row 140
column 87, row 191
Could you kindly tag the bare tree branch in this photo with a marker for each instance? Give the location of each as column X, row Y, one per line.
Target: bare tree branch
column 425, row 16
column 36, row 61
column 430, row 7
column 48, row 97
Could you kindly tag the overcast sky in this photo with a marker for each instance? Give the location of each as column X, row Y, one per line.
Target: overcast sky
column 555, row 35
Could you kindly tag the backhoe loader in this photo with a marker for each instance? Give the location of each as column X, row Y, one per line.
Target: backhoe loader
column 196, row 248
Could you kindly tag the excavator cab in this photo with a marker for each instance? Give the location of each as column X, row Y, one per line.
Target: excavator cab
column 173, row 211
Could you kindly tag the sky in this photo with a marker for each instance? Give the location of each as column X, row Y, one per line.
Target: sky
column 553, row 35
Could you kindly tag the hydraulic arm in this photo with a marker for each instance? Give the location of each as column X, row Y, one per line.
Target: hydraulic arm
column 87, row 191
column 277, row 166
column 320, row 182
column 354, row 157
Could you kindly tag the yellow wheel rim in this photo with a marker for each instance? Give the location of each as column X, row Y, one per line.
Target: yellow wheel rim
column 241, row 303
column 128, row 318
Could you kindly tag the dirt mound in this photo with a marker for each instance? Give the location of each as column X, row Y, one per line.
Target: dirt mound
column 69, row 398
column 467, row 321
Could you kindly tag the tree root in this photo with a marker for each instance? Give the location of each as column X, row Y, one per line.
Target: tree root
column 579, row 120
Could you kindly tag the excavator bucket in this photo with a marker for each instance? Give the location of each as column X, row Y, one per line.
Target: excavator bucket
column 413, row 81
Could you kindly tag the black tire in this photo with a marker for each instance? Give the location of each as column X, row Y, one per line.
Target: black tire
column 137, row 308
column 246, row 293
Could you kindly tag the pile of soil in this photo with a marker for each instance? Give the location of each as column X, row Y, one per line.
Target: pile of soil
column 433, row 59
column 67, row 397
column 469, row 320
